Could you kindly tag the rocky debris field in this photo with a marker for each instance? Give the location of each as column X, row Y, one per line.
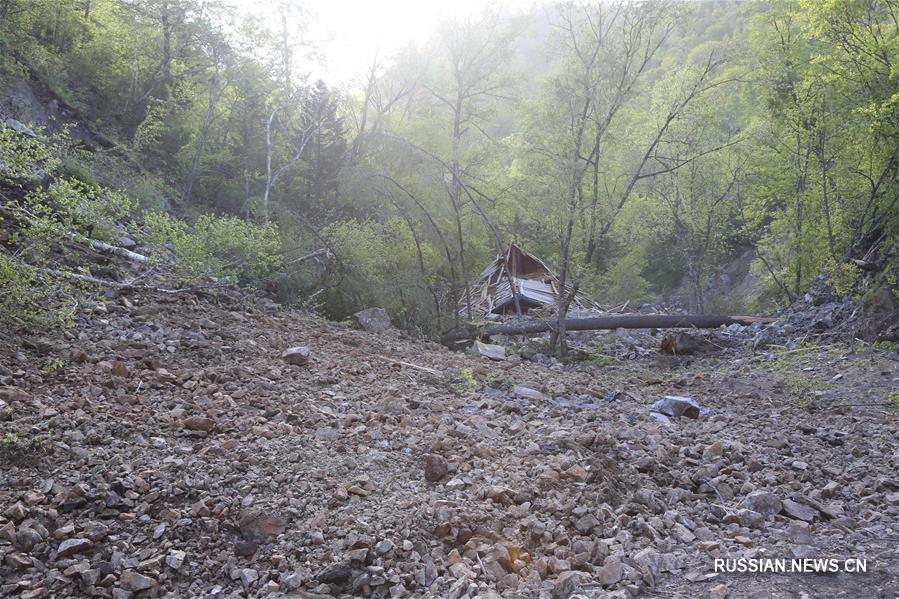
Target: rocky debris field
column 219, row 446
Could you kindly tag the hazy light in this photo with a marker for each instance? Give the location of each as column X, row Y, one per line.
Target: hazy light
column 349, row 33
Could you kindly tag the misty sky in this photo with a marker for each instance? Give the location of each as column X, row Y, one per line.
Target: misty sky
column 349, row 32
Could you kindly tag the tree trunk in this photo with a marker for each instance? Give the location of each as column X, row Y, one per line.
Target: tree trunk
column 641, row 321
column 166, row 51
column 214, row 93
column 456, row 193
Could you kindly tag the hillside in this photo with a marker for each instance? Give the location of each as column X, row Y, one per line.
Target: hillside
column 164, row 447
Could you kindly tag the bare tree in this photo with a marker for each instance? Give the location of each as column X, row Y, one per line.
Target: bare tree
column 219, row 57
column 297, row 141
column 472, row 60
column 607, row 48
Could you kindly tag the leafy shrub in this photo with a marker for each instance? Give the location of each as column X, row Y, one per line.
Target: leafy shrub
column 33, row 297
column 215, row 246
column 844, row 278
column 383, row 269
column 72, row 168
column 22, row 158
column 624, row 279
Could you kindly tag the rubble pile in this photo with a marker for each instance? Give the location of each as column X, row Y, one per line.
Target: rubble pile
column 220, row 446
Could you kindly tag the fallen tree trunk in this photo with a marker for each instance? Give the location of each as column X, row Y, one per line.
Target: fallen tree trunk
column 632, row 321
column 102, row 246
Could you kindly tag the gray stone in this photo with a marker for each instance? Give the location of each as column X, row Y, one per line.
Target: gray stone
column 384, row 547
column 16, row 512
column 750, row 518
column 335, row 574
column 676, row 406
column 292, row 581
column 528, row 393
column 17, row 561
column 661, row 419
column 72, row 547
column 248, row 577
column 198, row 423
column 297, row 356
column 585, row 524
column 19, row 127
column 798, row 511
column 763, row 502
column 261, row 525
column 649, row 560
column 373, row 320
column 175, row 559
column 488, row 350
column 27, row 538
column 436, row 467
column 610, row 573
column 134, row 581
column 568, row 583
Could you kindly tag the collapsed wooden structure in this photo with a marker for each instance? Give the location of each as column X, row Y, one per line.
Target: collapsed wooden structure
column 514, row 283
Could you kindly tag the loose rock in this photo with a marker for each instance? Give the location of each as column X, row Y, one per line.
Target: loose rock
column 297, row 356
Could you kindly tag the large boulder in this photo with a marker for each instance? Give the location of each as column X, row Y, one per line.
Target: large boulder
column 373, row 320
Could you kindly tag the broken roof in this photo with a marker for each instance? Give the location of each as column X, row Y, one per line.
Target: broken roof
column 516, row 274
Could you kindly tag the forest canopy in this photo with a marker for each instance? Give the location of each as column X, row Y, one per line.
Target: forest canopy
column 644, row 150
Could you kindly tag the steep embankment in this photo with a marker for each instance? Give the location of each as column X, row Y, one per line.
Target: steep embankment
column 165, row 446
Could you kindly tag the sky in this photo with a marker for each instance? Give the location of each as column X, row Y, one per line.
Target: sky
column 350, row 32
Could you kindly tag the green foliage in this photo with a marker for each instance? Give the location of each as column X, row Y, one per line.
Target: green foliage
column 623, row 280
column 214, row 246
column 824, row 139
column 41, row 218
column 21, row 157
column 33, row 297
column 844, row 278
column 464, row 381
column 53, row 364
column 72, row 168
column 600, row 360
column 384, row 268
column 893, row 401
column 479, row 136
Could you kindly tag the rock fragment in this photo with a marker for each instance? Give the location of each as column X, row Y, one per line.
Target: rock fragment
column 135, row 581
column 798, row 511
column 436, row 467
column 198, row 423
column 675, row 406
column 297, row 356
column 763, row 502
column 71, row 547
column 490, row 351
column 373, row 320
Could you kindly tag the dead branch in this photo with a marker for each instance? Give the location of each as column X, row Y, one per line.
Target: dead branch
column 117, row 285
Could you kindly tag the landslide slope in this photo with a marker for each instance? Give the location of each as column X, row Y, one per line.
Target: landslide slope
column 164, row 447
